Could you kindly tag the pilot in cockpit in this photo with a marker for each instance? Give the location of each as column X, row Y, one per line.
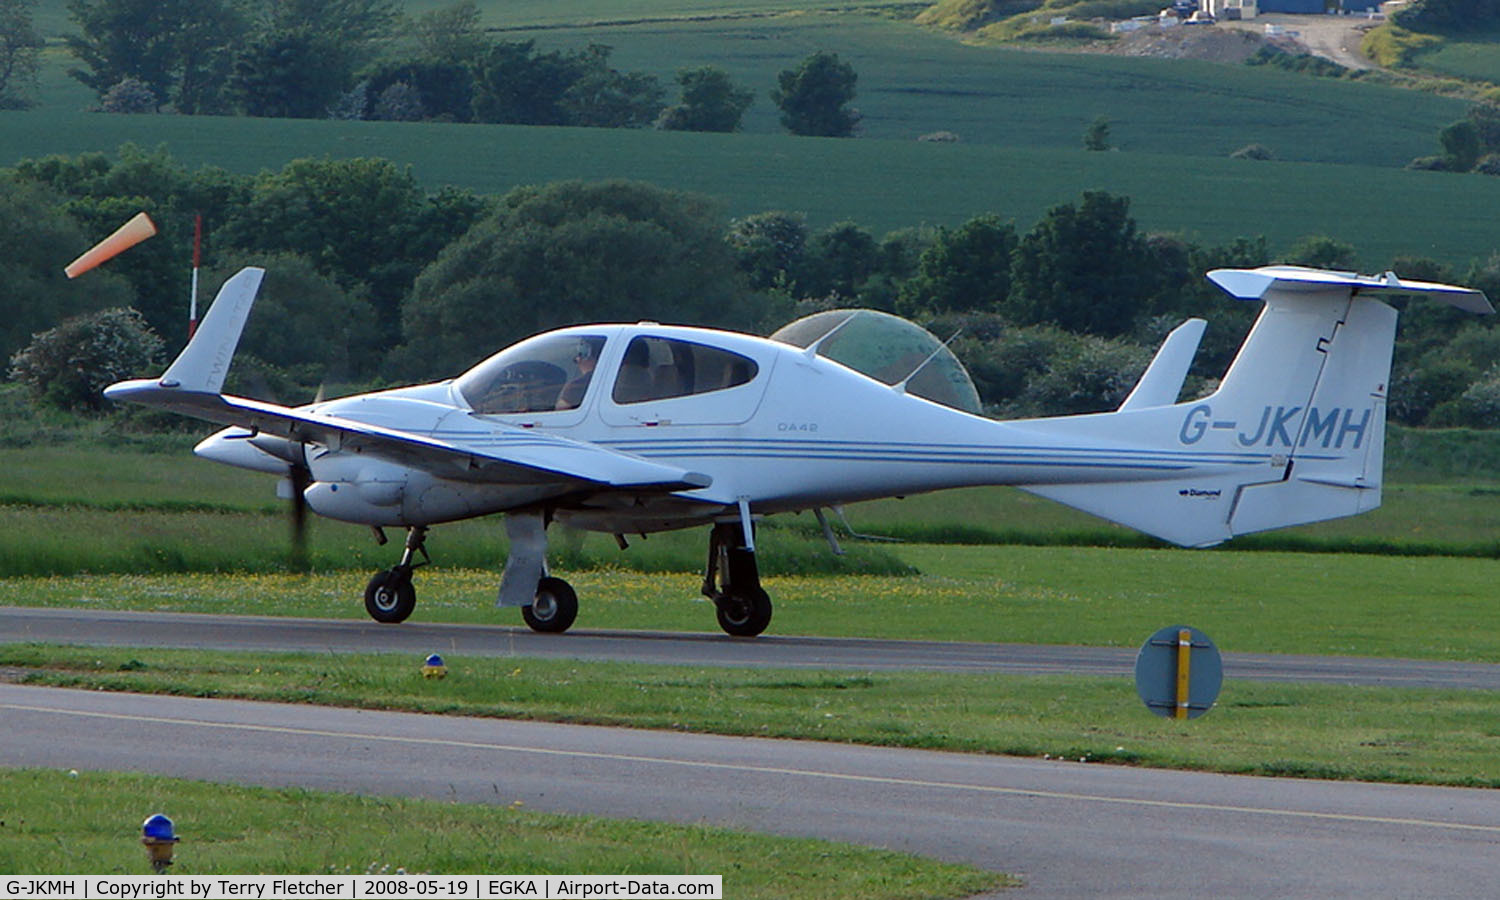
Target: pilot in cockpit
column 572, row 393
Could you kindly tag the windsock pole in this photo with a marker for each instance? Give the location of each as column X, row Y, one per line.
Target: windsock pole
column 197, row 261
column 128, row 235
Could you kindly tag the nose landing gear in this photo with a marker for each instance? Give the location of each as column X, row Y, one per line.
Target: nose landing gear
column 389, row 596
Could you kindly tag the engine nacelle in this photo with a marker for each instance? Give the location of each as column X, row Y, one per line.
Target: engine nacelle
column 354, row 488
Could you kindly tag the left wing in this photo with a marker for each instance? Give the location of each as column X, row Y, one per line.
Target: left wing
column 510, row 455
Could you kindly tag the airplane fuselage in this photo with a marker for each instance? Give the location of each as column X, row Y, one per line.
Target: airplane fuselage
column 801, row 432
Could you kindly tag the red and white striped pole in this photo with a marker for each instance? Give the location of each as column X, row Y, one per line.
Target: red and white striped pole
column 197, row 261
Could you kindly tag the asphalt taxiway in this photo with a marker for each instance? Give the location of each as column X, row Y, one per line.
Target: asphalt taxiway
column 1069, row 829
column 188, row 630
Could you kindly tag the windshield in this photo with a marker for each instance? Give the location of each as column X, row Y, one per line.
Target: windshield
column 545, row 373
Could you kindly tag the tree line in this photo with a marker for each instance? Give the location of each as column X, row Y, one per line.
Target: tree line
column 372, row 280
column 364, row 59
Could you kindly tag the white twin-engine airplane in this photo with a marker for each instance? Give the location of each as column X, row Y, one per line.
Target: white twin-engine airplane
column 631, row 429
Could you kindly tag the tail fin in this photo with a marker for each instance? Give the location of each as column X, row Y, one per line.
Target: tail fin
column 192, row 383
column 1296, row 431
column 1163, row 379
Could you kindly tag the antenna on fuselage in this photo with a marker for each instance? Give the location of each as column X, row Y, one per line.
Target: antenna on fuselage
column 900, row 386
column 812, row 349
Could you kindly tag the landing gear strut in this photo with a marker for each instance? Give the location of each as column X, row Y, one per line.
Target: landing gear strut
column 390, row 597
column 732, row 581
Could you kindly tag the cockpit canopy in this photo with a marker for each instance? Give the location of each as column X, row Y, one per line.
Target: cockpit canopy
column 887, row 348
column 553, row 372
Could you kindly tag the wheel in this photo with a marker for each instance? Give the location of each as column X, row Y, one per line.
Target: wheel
column 553, row 609
column 745, row 613
column 389, row 597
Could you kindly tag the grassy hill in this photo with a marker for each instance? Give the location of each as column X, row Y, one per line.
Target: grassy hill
column 1021, row 115
column 883, row 185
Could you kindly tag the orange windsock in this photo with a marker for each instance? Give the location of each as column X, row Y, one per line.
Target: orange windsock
column 129, row 234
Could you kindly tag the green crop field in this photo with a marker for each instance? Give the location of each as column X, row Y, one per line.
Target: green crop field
column 1473, row 54
column 882, row 185
column 1021, row 115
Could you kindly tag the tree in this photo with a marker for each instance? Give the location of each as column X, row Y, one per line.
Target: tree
column 768, row 247
column 177, row 48
column 293, row 73
column 303, row 321
column 39, row 238
column 1084, row 268
column 1322, row 252
column 451, row 34
column 1461, row 145
column 568, row 253
column 710, row 102
column 20, row 48
column 444, row 90
column 814, row 97
column 965, row 269
column 837, row 262
column 68, row 366
column 1096, row 137
column 102, row 193
column 604, row 97
column 363, row 222
column 515, row 85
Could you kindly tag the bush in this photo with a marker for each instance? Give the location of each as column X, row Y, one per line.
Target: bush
column 69, row 365
column 1430, row 164
column 129, row 95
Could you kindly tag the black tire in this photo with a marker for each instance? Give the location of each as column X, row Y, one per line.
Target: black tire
column 389, row 597
column 554, row 608
column 745, row 613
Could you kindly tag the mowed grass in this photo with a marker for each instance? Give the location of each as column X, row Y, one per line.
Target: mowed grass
column 55, row 824
column 1338, row 604
column 1322, row 731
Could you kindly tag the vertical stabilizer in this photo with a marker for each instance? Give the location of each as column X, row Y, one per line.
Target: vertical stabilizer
column 204, row 362
column 1296, row 431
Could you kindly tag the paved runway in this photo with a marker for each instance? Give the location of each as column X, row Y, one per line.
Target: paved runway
column 135, row 629
column 1071, row 830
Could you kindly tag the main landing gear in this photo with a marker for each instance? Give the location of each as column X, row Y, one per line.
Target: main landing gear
column 732, row 582
column 554, row 607
column 731, row 579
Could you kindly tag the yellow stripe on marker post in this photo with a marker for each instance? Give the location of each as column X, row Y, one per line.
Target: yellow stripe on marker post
column 126, row 236
column 1178, row 673
column 1184, row 670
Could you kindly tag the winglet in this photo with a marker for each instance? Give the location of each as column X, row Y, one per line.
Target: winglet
column 204, row 362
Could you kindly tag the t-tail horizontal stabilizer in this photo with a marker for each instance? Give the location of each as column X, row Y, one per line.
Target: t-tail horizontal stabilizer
column 1295, row 433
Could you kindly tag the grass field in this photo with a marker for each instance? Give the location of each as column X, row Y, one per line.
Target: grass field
column 1467, row 54
column 1378, row 734
column 882, row 185
column 1337, row 604
column 87, row 825
column 1021, row 114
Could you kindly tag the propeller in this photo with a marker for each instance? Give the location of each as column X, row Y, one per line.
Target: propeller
column 298, row 479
